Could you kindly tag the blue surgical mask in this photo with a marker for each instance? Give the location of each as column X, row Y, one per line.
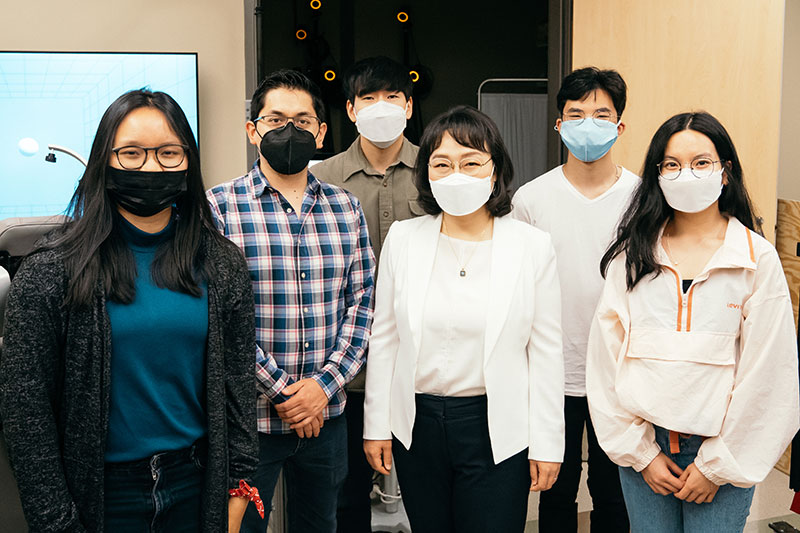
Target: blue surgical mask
column 587, row 140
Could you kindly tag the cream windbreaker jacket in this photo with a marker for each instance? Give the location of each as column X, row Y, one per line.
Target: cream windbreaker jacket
column 719, row 361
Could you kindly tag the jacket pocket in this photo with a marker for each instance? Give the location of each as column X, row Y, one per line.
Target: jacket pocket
column 678, row 380
column 696, row 347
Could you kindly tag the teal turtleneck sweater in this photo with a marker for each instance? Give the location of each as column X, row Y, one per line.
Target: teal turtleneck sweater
column 158, row 345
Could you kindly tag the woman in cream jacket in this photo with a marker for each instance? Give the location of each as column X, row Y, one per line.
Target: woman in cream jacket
column 465, row 372
column 692, row 364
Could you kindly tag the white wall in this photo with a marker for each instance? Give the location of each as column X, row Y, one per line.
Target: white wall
column 789, row 149
column 213, row 28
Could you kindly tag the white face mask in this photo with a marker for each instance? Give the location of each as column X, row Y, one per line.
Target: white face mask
column 689, row 194
column 460, row 195
column 381, row 123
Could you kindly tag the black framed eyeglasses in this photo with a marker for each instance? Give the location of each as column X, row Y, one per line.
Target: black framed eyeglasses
column 134, row 157
column 309, row 123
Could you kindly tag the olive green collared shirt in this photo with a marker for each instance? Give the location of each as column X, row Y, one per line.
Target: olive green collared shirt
column 384, row 198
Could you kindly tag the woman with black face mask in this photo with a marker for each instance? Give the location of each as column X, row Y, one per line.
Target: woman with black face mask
column 126, row 385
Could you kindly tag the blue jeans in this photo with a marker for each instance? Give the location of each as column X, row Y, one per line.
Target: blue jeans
column 314, row 468
column 653, row 513
column 157, row 494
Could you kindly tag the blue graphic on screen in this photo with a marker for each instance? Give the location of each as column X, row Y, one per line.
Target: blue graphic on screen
column 58, row 99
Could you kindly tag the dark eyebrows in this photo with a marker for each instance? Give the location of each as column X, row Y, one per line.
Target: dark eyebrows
column 576, row 110
column 470, row 153
column 704, row 155
column 281, row 114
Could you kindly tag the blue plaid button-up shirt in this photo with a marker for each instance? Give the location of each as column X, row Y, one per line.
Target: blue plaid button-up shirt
column 312, row 277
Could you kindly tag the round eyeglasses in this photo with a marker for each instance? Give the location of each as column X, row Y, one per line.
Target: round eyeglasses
column 134, row 157
column 702, row 167
column 600, row 117
column 470, row 166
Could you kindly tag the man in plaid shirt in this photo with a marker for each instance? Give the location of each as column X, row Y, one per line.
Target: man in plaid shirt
column 312, row 266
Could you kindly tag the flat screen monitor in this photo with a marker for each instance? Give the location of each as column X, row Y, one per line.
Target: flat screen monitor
column 57, row 98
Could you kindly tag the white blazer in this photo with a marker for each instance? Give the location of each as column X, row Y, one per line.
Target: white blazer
column 523, row 363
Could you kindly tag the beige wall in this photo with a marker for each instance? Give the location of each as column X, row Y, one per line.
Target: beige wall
column 213, row 28
column 789, row 155
column 721, row 56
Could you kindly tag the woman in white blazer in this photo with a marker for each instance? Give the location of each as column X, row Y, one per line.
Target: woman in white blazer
column 465, row 375
column 691, row 369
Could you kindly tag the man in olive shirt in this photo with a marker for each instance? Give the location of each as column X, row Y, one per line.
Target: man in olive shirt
column 378, row 169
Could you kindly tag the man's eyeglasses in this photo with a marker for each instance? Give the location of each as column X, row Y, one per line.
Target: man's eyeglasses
column 134, row 157
column 267, row 123
column 599, row 117
column 702, row 167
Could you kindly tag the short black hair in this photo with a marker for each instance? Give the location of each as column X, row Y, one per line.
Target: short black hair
column 579, row 83
column 376, row 74
column 469, row 127
column 287, row 79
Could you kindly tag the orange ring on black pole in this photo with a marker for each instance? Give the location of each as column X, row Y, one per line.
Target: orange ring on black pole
column 315, row 4
column 301, row 34
column 402, row 16
column 329, row 75
column 414, row 75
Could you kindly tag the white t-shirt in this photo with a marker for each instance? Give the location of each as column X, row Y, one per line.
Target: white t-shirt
column 454, row 320
column 581, row 230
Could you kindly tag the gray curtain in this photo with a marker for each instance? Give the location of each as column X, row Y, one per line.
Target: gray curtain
column 522, row 119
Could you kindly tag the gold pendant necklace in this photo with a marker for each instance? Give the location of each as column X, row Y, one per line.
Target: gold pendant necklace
column 463, row 272
column 669, row 252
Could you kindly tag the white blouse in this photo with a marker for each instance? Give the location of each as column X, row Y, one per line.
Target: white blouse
column 454, row 321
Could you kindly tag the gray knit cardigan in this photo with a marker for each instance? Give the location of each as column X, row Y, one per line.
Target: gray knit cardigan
column 54, row 392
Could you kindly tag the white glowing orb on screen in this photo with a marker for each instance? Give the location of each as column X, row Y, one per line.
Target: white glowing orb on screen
column 28, row 147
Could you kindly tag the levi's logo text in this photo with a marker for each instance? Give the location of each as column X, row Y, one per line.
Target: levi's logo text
column 732, row 305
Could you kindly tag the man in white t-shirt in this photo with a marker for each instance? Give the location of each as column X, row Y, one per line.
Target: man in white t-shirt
column 579, row 204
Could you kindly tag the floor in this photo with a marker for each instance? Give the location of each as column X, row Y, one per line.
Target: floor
column 770, row 503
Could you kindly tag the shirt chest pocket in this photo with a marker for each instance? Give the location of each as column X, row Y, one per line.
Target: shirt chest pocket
column 415, row 207
column 331, row 253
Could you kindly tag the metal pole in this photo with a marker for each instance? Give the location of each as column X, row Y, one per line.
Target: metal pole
column 68, row 151
column 503, row 80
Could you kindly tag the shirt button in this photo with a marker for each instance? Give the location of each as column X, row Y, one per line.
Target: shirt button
column 307, row 345
column 683, row 304
column 386, row 214
column 305, row 309
column 289, row 210
column 303, row 275
column 385, row 184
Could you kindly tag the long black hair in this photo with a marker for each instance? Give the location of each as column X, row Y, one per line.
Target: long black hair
column 637, row 233
column 91, row 243
column 469, row 127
